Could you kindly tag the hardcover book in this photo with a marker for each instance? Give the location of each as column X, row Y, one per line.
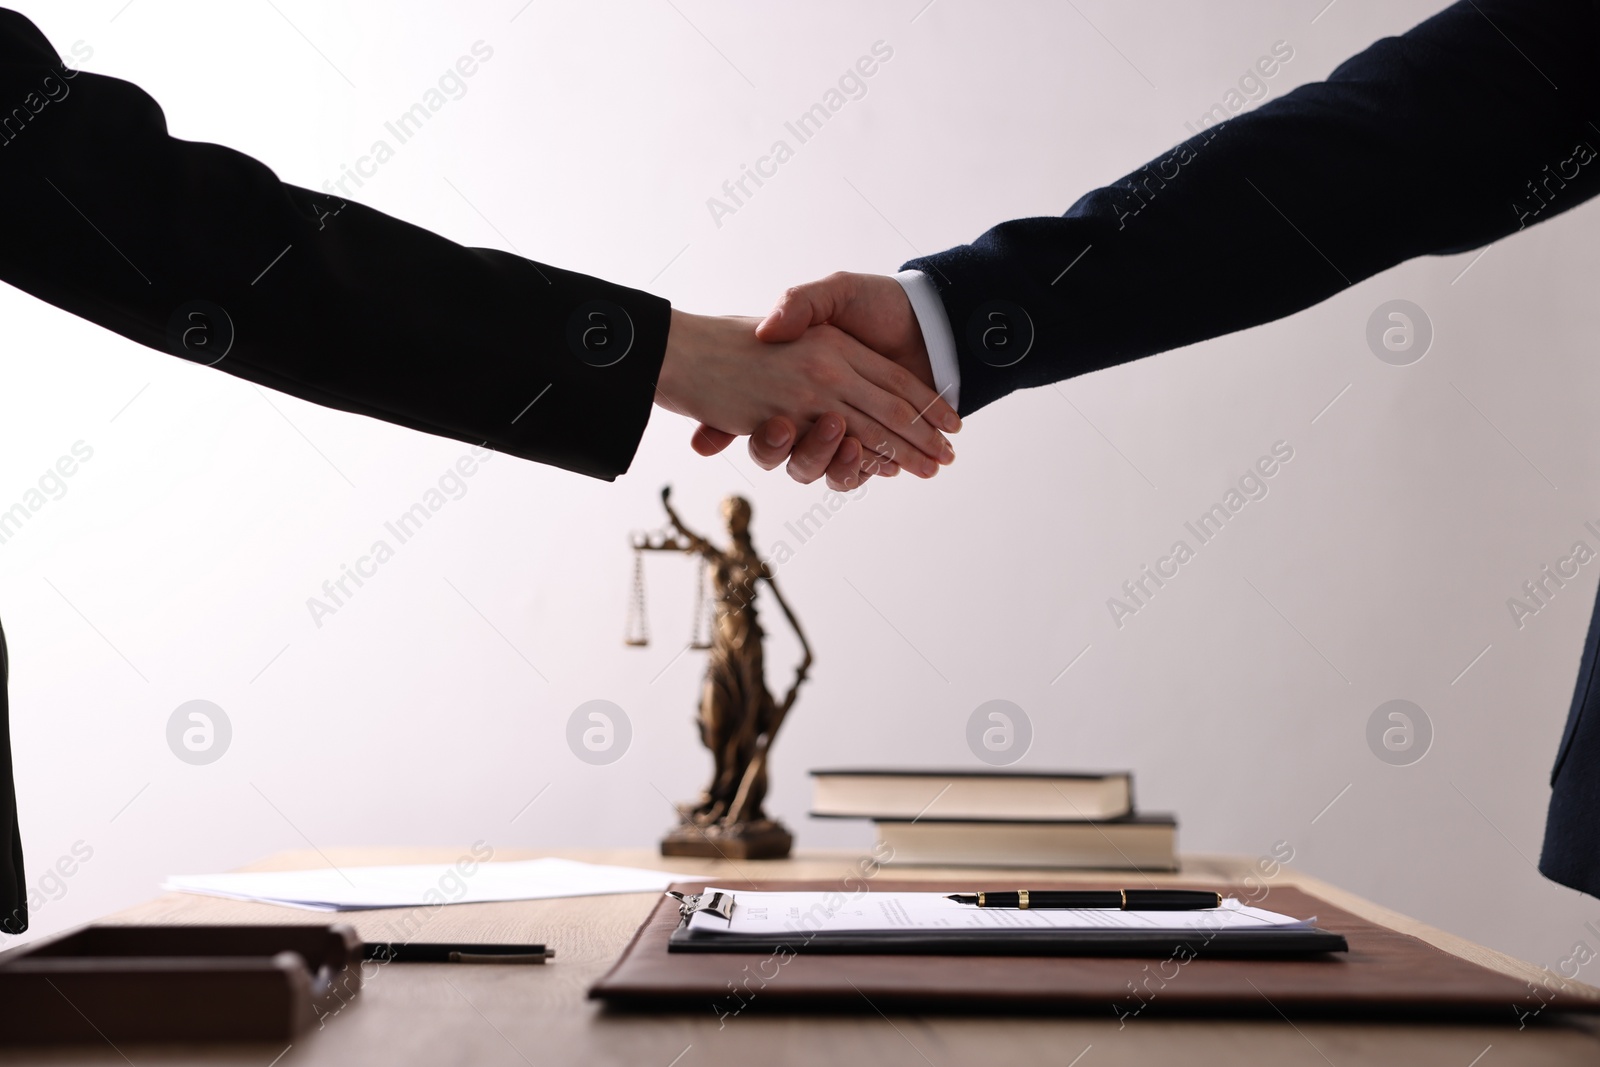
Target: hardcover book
column 1011, row 795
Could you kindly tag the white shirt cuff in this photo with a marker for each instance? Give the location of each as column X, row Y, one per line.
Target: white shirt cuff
column 936, row 333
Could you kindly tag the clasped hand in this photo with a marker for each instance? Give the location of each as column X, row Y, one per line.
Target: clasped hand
column 835, row 380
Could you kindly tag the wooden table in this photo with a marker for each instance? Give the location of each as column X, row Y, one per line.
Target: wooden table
column 437, row 1014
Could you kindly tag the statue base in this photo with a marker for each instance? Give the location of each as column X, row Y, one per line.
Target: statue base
column 763, row 840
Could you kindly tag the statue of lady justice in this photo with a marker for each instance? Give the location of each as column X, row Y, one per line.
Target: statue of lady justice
column 738, row 716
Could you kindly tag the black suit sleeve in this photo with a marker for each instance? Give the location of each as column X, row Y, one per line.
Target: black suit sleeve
column 1471, row 126
column 13, row 888
column 194, row 249
column 200, row 251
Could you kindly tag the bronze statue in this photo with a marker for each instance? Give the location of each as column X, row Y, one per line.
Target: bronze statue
column 738, row 716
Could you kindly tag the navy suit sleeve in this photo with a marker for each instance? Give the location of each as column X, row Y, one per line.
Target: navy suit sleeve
column 197, row 250
column 1471, row 126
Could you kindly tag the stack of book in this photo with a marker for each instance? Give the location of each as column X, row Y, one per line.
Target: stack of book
column 1001, row 818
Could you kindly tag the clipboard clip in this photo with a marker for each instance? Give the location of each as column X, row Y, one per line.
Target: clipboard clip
column 715, row 903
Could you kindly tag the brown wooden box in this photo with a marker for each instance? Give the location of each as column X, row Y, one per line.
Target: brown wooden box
column 191, row 983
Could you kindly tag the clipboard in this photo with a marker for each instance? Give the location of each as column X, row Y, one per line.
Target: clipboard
column 1384, row 974
column 1004, row 941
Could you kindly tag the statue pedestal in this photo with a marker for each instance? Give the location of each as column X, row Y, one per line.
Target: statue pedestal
column 763, row 840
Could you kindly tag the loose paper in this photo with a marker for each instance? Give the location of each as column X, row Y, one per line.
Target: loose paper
column 467, row 882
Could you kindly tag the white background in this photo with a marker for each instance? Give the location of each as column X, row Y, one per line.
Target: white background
column 432, row 707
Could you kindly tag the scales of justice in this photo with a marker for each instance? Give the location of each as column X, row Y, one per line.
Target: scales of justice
column 738, row 716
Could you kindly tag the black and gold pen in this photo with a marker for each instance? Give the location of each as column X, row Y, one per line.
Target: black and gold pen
column 1121, row 899
column 432, row 952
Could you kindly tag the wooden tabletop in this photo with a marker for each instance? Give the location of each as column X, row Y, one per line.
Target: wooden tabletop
column 436, row 1014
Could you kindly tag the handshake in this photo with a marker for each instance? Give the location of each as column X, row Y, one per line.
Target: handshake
column 836, row 380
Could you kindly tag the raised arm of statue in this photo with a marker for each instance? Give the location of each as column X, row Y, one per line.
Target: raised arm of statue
column 695, row 543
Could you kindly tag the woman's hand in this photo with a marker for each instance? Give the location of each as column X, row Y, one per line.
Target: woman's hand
column 717, row 371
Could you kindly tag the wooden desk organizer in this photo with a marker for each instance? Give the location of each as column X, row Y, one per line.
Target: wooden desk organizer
column 191, row 983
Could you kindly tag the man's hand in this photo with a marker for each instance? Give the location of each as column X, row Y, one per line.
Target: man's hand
column 717, row 371
column 873, row 309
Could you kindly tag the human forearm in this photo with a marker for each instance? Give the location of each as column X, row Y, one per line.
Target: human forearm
column 1423, row 144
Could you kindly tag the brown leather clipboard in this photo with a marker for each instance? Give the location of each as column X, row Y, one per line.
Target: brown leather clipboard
column 1384, row 974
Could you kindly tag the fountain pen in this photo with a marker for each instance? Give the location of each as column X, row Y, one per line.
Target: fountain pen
column 1121, row 899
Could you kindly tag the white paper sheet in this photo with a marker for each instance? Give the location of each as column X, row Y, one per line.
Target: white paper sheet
column 348, row 888
column 781, row 913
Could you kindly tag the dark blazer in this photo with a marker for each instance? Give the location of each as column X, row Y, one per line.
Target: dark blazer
column 202, row 252
column 1478, row 122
